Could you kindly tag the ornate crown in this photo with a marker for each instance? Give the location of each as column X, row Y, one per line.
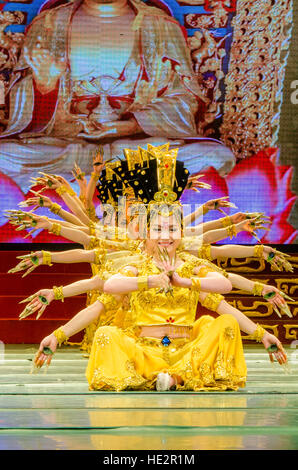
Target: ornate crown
column 153, row 174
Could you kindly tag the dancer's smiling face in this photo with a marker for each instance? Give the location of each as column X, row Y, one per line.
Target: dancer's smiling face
column 164, row 233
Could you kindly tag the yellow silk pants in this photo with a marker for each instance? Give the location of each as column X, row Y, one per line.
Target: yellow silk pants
column 212, row 359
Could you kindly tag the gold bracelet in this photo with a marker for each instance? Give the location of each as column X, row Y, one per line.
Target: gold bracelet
column 92, row 228
column 205, row 210
column 94, row 243
column 258, row 334
column 58, row 293
column 258, row 289
column 142, row 282
column 205, row 252
column 99, row 255
column 47, row 258
column 56, row 229
column 231, row 231
column 258, row 251
column 63, row 189
column 226, row 221
column 55, row 208
column 212, row 301
column 195, row 284
column 82, row 198
column 60, row 335
column 91, row 213
column 94, row 176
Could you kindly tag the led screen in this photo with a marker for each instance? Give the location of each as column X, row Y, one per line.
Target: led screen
column 215, row 78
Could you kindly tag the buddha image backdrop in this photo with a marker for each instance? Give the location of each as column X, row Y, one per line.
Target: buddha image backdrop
column 216, row 78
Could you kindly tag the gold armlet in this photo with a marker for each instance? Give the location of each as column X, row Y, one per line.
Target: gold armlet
column 205, row 252
column 231, row 231
column 108, row 301
column 212, row 301
column 94, row 176
column 60, row 335
column 55, row 208
column 99, row 255
column 143, row 283
column 92, row 228
column 63, row 189
column 195, row 284
column 82, row 199
column 258, row 251
column 258, row 289
column 91, row 213
column 58, row 293
column 47, row 258
column 258, row 334
column 226, row 221
column 94, row 243
column 205, row 210
column 56, row 229
column 126, row 271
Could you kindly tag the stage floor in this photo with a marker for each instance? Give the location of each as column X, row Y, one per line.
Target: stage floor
column 57, row 411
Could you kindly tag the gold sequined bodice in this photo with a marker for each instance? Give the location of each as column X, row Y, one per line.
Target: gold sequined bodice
column 151, row 307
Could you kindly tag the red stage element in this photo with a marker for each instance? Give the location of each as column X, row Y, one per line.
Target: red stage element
column 13, row 289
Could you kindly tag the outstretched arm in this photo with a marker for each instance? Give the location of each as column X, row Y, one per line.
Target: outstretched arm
column 74, row 326
column 43, row 201
column 213, row 204
column 248, row 326
column 36, row 258
column 41, row 299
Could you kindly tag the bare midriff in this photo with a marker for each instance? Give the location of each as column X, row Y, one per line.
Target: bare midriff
column 159, row 331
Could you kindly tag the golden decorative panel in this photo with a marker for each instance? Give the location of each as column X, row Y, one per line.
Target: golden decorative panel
column 288, row 286
column 254, row 83
column 290, row 331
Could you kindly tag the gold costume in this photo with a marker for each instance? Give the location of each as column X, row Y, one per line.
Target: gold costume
column 208, row 357
column 106, row 264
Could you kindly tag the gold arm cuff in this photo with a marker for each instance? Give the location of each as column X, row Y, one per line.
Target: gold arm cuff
column 212, row 301
column 91, row 213
column 56, row 229
column 55, row 208
column 205, row 210
column 226, row 221
column 94, row 176
column 63, row 189
column 82, row 199
column 99, row 255
column 142, row 282
column 258, row 334
column 108, row 301
column 126, row 271
column 258, row 251
column 195, row 284
column 92, row 228
column 58, row 293
column 47, row 258
column 60, row 335
column 94, row 243
column 231, row 231
column 204, row 252
column 258, row 289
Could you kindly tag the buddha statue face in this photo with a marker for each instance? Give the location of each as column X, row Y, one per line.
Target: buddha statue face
column 165, row 233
